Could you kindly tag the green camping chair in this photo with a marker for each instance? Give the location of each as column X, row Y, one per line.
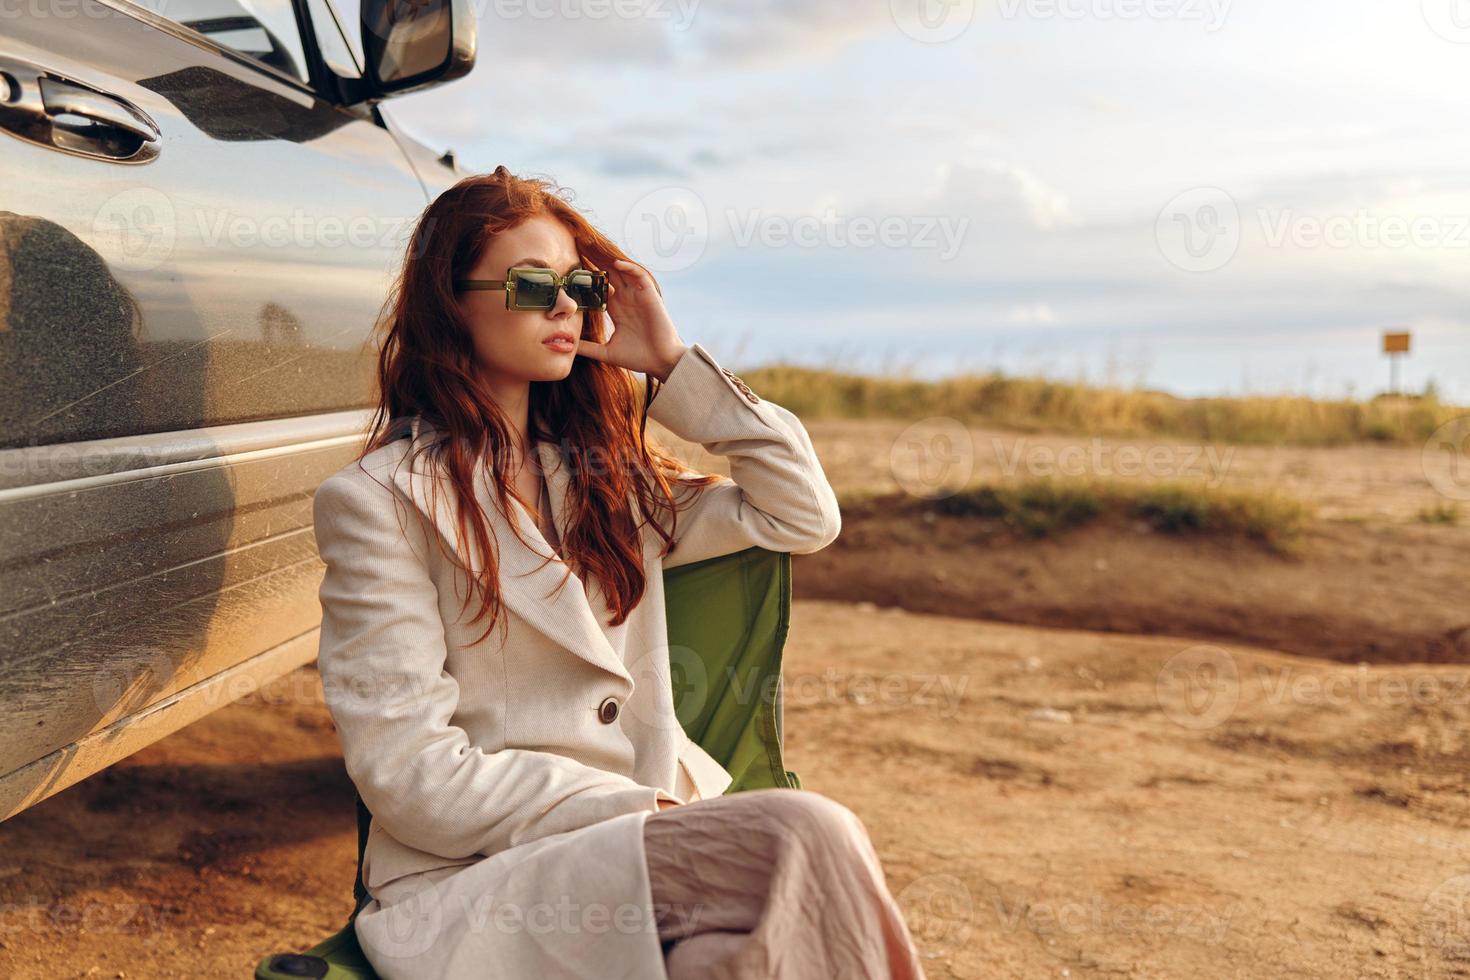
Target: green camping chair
column 727, row 623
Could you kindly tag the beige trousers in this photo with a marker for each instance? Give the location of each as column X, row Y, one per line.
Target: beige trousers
column 779, row 883
column 773, row 883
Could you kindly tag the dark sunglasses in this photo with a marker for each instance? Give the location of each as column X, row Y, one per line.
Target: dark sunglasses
column 530, row 288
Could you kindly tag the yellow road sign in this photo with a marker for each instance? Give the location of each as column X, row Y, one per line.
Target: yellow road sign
column 1395, row 343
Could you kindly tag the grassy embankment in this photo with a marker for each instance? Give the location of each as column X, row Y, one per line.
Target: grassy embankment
column 1039, row 405
column 1045, row 507
column 1041, row 507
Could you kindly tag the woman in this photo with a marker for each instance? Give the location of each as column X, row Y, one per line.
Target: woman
column 538, row 811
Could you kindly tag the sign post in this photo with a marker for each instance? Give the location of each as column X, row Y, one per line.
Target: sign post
column 1395, row 345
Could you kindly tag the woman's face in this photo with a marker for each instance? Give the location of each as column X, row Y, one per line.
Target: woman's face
column 510, row 345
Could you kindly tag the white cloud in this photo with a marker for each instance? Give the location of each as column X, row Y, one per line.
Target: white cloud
column 771, row 33
column 1001, row 196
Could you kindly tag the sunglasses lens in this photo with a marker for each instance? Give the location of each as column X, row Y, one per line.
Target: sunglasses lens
column 535, row 289
column 587, row 289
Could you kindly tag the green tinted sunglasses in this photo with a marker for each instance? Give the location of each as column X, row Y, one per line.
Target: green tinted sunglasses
column 530, row 288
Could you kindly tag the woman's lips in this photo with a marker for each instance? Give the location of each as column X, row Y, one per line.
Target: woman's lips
column 561, row 344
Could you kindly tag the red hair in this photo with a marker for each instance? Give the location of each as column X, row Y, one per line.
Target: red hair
column 599, row 412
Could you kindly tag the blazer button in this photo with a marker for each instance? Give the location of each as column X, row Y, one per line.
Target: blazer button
column 608, row 710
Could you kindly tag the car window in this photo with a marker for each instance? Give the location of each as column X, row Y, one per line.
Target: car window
column 349, row 13
column 331, row 39
column 263, row 29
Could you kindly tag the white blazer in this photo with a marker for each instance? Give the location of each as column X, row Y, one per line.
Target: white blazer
column 557, row 742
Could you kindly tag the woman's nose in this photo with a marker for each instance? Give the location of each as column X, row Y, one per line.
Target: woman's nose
column 564, row 304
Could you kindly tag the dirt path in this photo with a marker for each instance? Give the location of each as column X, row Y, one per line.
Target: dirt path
column 1381, row 483
column 1046, row 803
column 1121, row 806
column 1380, row 593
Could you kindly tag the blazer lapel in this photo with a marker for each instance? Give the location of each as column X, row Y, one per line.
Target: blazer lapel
column 530, row 584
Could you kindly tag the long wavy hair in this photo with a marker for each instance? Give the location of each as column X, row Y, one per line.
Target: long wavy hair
column 427, row 368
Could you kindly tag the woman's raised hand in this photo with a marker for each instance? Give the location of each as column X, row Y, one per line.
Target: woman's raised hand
column 645, row 339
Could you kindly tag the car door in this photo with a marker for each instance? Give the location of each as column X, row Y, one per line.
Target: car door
column 194, row 246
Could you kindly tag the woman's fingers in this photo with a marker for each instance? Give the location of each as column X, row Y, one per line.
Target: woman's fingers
column 592, row 349
column 632, row 272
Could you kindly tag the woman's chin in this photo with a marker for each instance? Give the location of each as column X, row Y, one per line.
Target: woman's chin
column 557, row 365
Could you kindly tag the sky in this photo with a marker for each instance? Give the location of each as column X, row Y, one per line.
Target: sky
column 1200, row 196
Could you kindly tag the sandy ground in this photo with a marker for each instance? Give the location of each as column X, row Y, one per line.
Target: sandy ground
column 1047, row 801
column 1065, row 803
column 923, row 456
column 1379, row 593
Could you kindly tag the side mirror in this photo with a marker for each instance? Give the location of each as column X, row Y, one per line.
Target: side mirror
column 412, row 44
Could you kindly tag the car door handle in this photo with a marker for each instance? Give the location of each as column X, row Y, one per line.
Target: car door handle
column 63, row 113
column 61, row 97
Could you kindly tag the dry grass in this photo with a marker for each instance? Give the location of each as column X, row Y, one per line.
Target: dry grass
column 1445, row 513
column 1048, row 506
column 1033, row 405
